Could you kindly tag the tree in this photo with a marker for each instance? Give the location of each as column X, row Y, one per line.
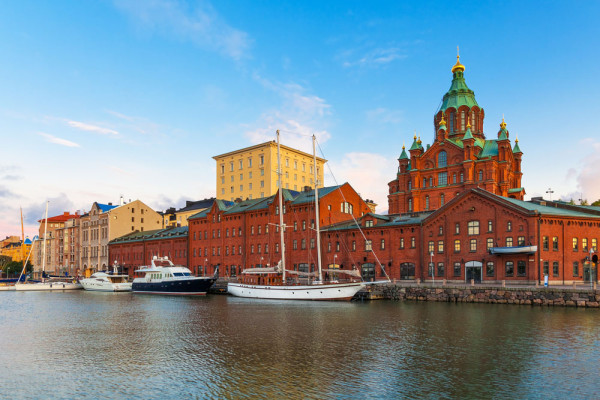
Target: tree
column 596, row 203
column 4, row 260
column 14, row 268
column 583, row 202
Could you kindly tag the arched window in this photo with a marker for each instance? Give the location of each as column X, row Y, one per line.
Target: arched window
column 424, row 182
column 409, row 185
column 462, row 121
column 430, row 181
column 454, row 178
column 442, row 199
column 473, row 121
column 480, row 175
column 426, row 202
column 409, row 205
column 451, row 122
column 442, row 159
column 462, row 177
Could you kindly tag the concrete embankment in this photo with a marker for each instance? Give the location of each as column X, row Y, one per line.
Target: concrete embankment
column 535, row 296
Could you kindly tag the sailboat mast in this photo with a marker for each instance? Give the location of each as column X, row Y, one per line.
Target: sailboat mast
column 22, row 237
column 281, row 208
column 44, row 246
column 316, row 179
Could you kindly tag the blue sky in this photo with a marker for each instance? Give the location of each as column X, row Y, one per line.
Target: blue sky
column 103, row 98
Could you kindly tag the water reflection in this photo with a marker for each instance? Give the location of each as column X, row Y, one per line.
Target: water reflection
column 93, row 345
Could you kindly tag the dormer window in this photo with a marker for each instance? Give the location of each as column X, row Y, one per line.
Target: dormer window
column 369, row 223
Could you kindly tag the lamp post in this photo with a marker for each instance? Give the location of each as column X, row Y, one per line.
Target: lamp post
column 550, row 191
column 334, row 260
column 432, row 267
column 205, row 266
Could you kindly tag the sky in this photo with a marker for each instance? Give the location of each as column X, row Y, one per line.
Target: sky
column 100, row 99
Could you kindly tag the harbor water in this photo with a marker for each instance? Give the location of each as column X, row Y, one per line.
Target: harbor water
column 120, row 345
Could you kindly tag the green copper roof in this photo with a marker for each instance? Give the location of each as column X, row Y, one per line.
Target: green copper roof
column 503, row 134
column 415, row 144
column 490, row 149
column 459, row 94
column 403, row 156
column 468, row 134
column 516, row 149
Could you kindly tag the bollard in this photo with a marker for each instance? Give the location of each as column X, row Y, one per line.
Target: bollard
column 472, row 282
column 503, row 283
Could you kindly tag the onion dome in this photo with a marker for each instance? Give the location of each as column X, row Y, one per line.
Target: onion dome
column 459, row 93
column 503, row 133
column 442, row 123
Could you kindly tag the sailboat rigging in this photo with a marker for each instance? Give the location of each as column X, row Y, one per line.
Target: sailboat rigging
column 273, row 283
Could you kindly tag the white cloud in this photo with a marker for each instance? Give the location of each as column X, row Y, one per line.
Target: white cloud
column 91, row 128
column 587, row 176
column 368, row 173
column 371, row 58
column 56, row 140
column 197, row 22
column 298, row 117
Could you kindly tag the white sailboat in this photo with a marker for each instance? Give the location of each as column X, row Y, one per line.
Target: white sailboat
column 271, row 283
column 53, row 284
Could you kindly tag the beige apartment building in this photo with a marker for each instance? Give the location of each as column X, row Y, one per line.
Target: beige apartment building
column 251, row 172
column 105, row 222
column 54, row 242
column 175, row 218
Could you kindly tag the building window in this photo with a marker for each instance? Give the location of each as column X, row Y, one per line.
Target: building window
column 413, row 242
column 510, row 268
column 490, row 226
column 521, row 268
column 277, row 247
column 304, row 225
column 369, row 223
column 555, row 243
column 480, row 175
column 457, row 246
column 473, row 245
column 382, row 245
column 457, row 269
column 295, row 226
column 451, row 122
column 354, row 245
column 409, row 205
column 545, row 243
column 295, row 244
column 241, row 164
column 473, row 228
column 303, row 244
column 462, row 121
column 426, row 202
column 454, row 178
column 440, row 269
column 490, row 243
column 424, row 182
column 521, row 241
column 441, row 230
column 431, row 267
column 368, row 246
column 401, row 243
column 509, row 226
column 457, row 228
column 555, row 268
column 575, row 244
column 489, row 269
column 442, row 159
column 575, row 269
column 584, row 244
column 440, row 246
column 431, row 246
column 509, row 242
column 462, row 177
column 442, row 199
column 329, row 247
column 546, row 264
column 312, row 243
column 594, row 241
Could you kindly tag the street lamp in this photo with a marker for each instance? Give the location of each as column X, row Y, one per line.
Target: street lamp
column 334, row 262
column 205, row 266
column 550, row 191
column 432, row 267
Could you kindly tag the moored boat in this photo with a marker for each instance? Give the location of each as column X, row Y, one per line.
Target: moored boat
column 105, row 282
column 163, row 277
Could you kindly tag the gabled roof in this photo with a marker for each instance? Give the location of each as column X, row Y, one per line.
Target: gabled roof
column 490, row 149
column 309, row 197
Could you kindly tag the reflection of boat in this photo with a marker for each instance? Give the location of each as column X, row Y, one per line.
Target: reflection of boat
column 163, row 277
column 104, row 282
column 513, row 250
column 53, row 284
column 271, row 283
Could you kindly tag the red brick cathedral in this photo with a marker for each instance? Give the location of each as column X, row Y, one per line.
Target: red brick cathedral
column 460, row 157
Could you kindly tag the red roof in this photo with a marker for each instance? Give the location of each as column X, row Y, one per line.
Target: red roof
column 61, row 218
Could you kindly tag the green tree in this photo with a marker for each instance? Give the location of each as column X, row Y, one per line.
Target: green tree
column 596, row 203
column 4, row 260
column 14, row 268
column 583, row 202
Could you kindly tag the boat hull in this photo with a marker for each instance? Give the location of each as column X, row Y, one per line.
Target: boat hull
column 338, row 291
column 106, row 286
column 48, row 286
column 182, row 287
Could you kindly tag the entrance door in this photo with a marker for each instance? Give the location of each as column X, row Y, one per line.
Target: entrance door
column 473, row 270
column 589, row 272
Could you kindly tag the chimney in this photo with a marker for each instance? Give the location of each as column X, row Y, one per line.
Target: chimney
column 121, row 202
column 307, row 188
column 110, row 203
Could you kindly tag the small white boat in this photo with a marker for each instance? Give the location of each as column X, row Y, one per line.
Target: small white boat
column 103, row 282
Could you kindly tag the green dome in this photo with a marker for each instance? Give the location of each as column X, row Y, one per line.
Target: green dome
column 459, row 93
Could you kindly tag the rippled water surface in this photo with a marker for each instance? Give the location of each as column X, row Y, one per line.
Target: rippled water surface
column 104, row 345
